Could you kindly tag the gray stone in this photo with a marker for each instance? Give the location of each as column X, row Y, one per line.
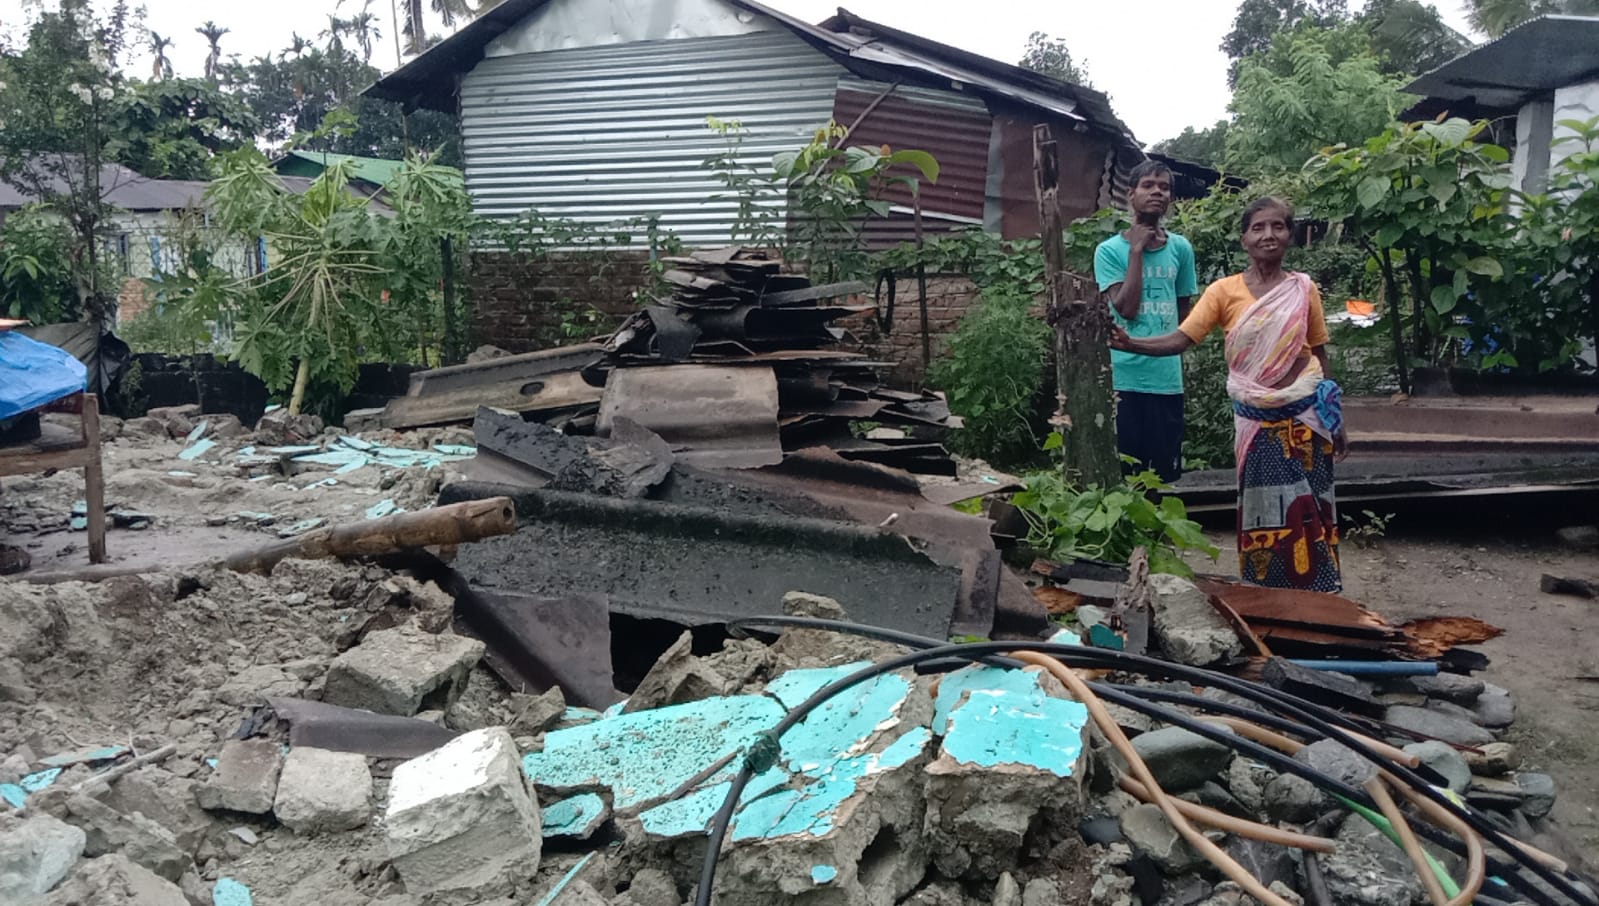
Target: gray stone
column 165, row 798
column 1213, row 795
column 1337, row 761
column 1450, row 709
column 535, row 714
column 1494, row 793
column 1187, row 626
column 1180, row 759
column 142, row 840
column 1495, row 759
column 653, row 887
column 1133, row 723
column 1247, row 781
column 1451, row 687
column 323, row 791
column 1006, row 891
column 1443, row 758
column 403, row 671
column 1579, row 537
column 1366, row 869
column 460, row 818
column 115, row 880
column 1292, row 798
column 1041, row 892
column 1538, row 791
column 35, row 855
column 1495, row 708
column 1437, row 726
column 1267, row 861
column 357, row 421
column 246, row 778
column 819, row 607
column 254, row 686
column 1151, row 834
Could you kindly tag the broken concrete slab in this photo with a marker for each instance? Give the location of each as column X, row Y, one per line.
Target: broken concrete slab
column 461, row 818
column 576, row 817
column 534, row 714
column 323, row 791
column 1495, row 759
column 35, row 855
column 1335, row 760
column 402, row 671
column 677, row 677
column 142, row 840
column 1007, row 757
column 1181, row 759
column 695, row 565
column 246, row 777
column 165, row 798
column 1187, row 625
column 116, row 880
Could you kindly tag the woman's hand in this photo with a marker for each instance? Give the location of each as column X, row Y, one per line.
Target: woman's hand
column 1341, row 445
column 1119, row 339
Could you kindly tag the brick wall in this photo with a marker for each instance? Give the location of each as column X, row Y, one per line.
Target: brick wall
column 131, row 300
column 521, row 305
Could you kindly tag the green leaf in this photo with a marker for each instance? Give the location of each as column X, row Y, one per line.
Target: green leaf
column 1494, row 153
column 1054, row 441
column 1162, row 560
column 1487, row 267
column 1372, row 190
column 1444, row 299
column 921, row 160
column 1443, row 191
column 1388, row 235
column 783, row 163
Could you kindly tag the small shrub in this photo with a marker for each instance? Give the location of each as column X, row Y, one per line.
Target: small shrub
column 1070, row 521
column 991, row 372
column 1367, row 533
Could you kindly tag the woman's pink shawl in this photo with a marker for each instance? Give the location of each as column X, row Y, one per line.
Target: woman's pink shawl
column 1261, row 350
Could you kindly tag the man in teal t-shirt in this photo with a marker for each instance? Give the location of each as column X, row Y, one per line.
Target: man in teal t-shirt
column 1147, row 276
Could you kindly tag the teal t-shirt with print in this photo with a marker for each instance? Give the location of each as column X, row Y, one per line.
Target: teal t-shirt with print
column 1168, row 276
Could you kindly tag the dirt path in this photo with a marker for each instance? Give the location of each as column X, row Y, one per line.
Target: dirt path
column 1484, row 560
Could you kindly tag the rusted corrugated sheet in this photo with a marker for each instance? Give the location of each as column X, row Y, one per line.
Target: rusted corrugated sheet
column 953, row 128
column 1083, row 157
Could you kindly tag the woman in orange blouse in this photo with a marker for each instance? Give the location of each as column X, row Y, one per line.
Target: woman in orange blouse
column 1286, row 411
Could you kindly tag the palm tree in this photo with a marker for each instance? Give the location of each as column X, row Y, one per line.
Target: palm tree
column 335, row 32
column 1495, row 17
column 297, row 46
column 160, row 67
column 415, row 28
column 213, row 34
column 364, row 26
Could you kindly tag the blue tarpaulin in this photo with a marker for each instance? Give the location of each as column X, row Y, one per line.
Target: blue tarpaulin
column 33, row 374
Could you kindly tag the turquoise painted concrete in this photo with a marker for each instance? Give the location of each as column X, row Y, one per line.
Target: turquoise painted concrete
column 572, row 817
column 823, row 874
column 954, row 686
column 229, row 892
column 810, row 809
column 1006, row 728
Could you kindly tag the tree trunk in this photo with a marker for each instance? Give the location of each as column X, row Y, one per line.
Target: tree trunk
column 1082, row 340
column 302, row 376
column 1390, row 286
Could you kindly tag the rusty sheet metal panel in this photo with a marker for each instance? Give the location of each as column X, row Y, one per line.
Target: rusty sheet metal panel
column 601, row 134
column 953, row 128
column 1083, row 159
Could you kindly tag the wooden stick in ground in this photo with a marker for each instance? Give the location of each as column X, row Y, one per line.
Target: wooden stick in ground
column 93, row 478
column 457, row 523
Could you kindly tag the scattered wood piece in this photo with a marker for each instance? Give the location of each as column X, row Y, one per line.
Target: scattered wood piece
column 1432, row 637
column 133, row 764
column 1320, row 686
column 1057, row 601
column 457, row 523
column 1556, row 585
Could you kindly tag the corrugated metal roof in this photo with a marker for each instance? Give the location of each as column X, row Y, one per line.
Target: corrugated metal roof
column 600, row 134
column 867, row 49
column 129, row 191
column 1535, row 57
column 953, row 128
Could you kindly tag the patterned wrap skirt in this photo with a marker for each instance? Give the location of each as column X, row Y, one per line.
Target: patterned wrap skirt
column 1287, row 515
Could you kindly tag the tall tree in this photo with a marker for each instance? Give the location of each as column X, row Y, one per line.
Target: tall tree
column 415, row 25
column 1309, row 92
column 173, row 128
column 1495, row 17
column 161, row 66
column 363, row 26
column 1409, row 37
column 1050, row 56
column 213, row 36
column 1202, row 146
column 1259, row 21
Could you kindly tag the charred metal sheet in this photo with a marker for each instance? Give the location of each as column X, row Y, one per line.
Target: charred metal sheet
column 675, row 336
column 539, row 381
column 814, row 293
column 505, row 368
column 541, row 641
column 697, row 565
column 512, row 449
column 337, row 729
column 712, row 416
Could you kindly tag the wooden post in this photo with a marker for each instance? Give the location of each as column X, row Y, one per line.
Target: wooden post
column 93, row 478
column 1081, row 320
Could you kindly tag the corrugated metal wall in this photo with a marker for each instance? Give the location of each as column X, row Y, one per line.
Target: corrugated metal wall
column 602, row 134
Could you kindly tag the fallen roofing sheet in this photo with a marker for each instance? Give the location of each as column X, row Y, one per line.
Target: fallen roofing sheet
column 696, row 565
column 546, row 380
column 712, row 416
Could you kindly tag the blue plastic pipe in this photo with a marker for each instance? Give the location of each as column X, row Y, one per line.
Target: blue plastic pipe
column 1372, row 668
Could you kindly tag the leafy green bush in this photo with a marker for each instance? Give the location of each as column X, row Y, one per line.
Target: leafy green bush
column 35, row 270
column 1070, row 521
column 991, row 373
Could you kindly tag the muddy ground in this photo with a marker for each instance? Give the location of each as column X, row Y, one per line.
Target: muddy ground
column 1483, row 557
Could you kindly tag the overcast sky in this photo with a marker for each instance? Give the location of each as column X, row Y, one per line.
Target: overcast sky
column 1162, row 69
